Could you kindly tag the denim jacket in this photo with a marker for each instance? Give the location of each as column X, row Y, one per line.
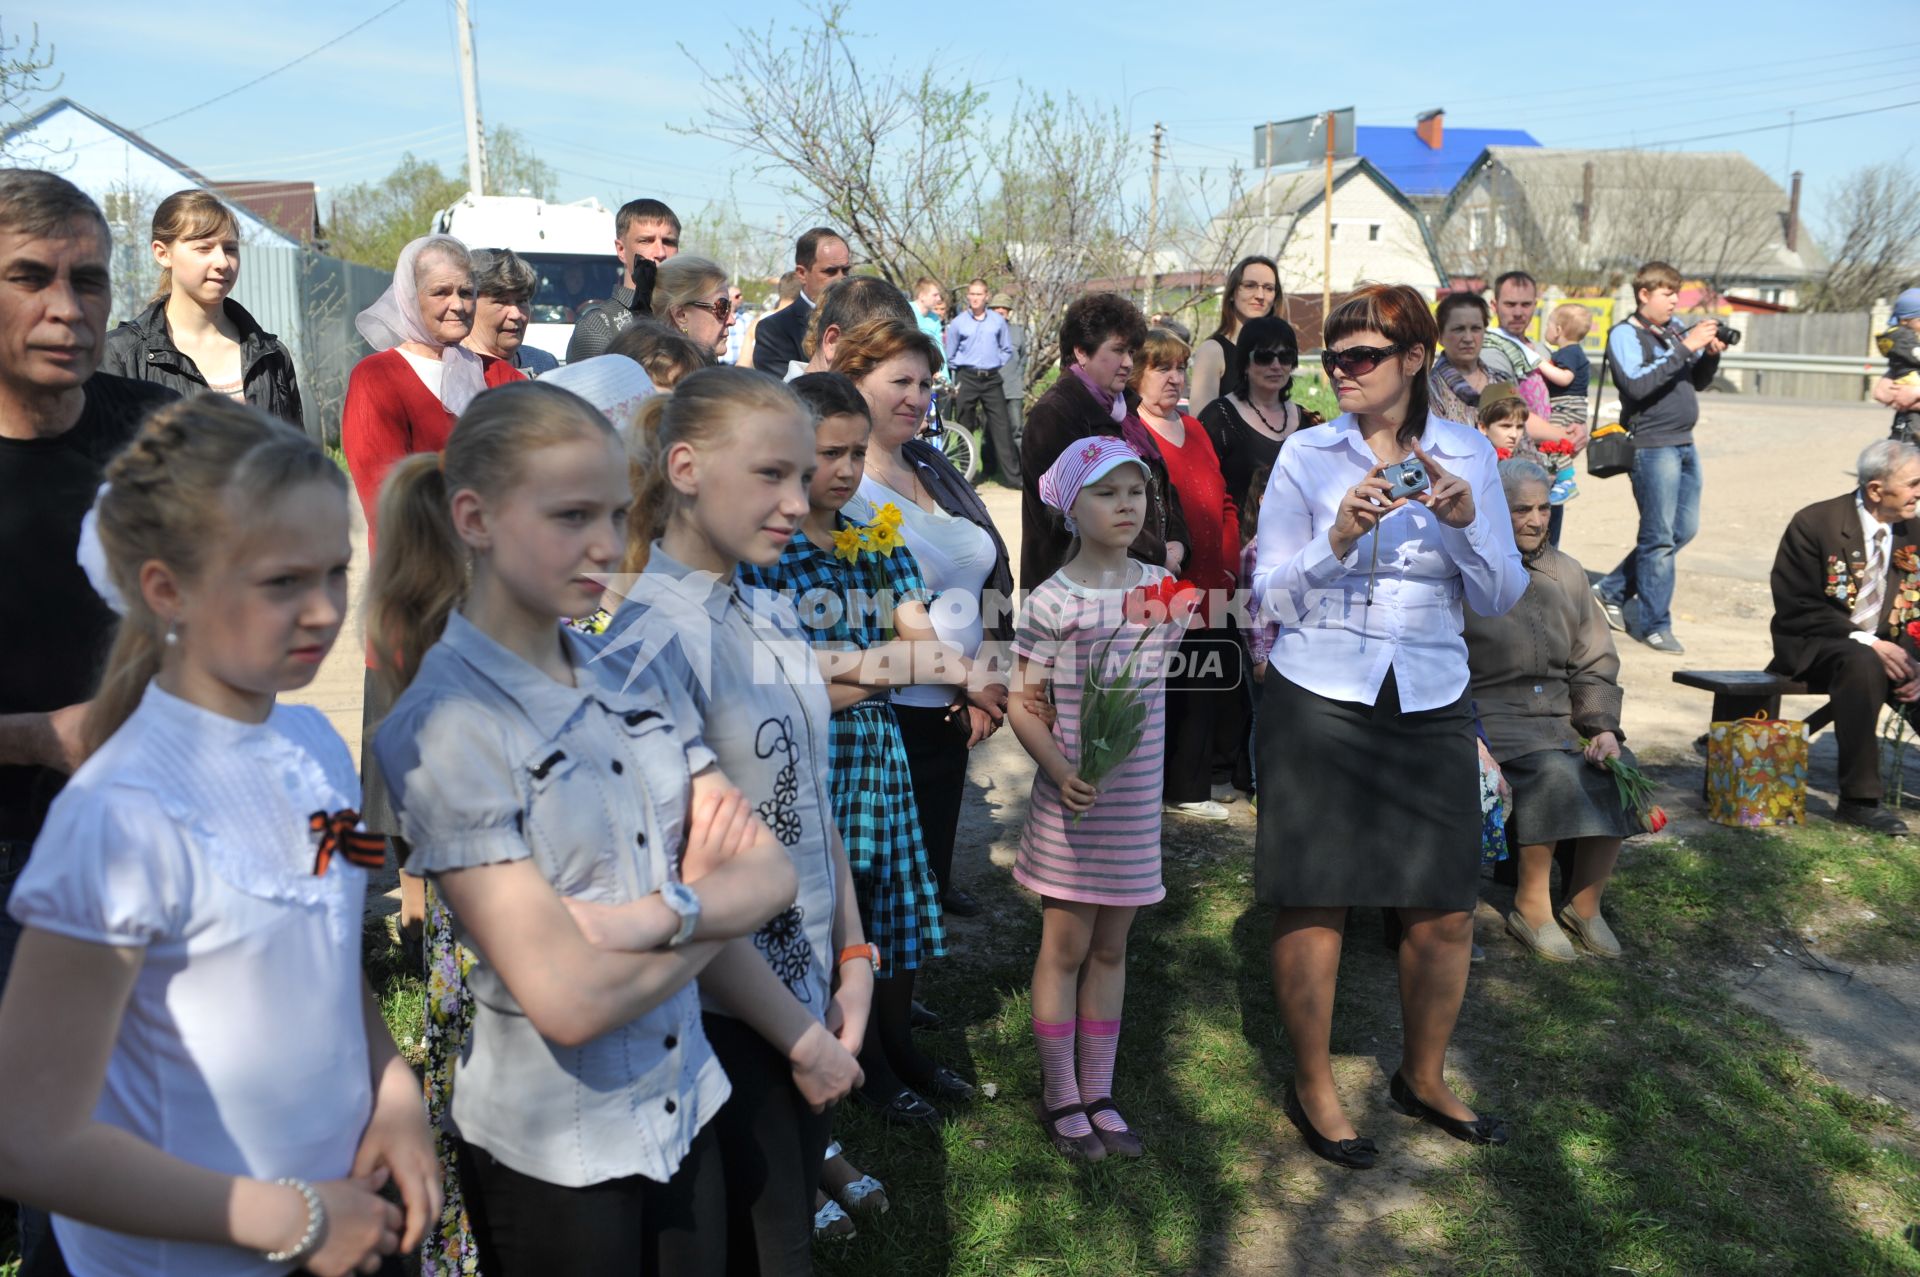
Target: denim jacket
column 491, row 761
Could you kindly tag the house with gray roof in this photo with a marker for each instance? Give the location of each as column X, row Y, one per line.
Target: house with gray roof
column 1588, row 218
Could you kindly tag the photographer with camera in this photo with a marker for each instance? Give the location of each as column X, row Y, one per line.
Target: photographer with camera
column 1659, row 368
column 1375, row 530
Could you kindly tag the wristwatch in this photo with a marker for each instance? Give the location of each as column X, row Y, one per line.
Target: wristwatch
column 680, row 898
column 853, row 952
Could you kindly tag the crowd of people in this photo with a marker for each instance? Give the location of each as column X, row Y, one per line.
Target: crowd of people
column 676, row 659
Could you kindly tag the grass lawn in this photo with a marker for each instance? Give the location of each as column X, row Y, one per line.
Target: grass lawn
column 1658, row 1126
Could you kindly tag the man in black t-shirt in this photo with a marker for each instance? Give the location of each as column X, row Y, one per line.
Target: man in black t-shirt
column 60, row 422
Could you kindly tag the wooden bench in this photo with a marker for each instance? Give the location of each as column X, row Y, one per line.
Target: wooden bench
column 1744, row 693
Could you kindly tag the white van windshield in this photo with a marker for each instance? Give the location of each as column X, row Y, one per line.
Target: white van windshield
column 569, row 281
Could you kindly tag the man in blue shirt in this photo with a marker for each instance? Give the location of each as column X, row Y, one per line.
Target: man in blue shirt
column 1659, row 368
column 978, row 346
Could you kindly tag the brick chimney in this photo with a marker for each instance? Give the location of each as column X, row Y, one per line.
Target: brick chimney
column 1429, row 125
column 1793, row 216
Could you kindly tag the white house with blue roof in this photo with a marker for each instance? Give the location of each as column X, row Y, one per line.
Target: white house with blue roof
column 1427, row 161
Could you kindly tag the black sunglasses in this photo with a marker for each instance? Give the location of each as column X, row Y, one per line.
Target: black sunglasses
column 1357, row 361
column 1290, row 358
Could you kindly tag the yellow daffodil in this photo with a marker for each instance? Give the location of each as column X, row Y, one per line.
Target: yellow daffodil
column 846, row 544
column 885, row 537
column 887, row 516
column 865, row 537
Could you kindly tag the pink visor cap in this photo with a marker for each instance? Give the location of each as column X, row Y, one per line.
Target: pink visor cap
column 1083, row 463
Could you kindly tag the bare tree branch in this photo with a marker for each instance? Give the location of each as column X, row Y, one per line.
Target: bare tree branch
column 1873, row 238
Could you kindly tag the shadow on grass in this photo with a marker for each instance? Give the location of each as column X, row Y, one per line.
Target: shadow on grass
column 987, row 1194
column 1658, row 1126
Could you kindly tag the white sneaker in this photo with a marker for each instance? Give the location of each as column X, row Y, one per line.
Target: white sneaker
column 1205, row 809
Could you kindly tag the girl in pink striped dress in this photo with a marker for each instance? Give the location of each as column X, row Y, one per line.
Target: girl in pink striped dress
column 1091, row 851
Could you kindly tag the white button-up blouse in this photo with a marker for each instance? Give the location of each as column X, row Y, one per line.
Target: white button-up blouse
column 1331, row 640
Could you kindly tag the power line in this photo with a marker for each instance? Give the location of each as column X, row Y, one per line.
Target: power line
column 1876, row 57
column 1747, row 115
column 168, row 119
column 1769, row 128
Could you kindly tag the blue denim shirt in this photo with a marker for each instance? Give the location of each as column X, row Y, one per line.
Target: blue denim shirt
column 745, row 661
column 492, row 761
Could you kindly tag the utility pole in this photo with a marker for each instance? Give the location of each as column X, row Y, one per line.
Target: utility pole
column 1266, row 196
column 470, row 98
column 1153, row 221
column 1326, row 241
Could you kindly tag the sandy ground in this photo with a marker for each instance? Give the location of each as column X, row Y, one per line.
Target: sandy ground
column 1763, row 460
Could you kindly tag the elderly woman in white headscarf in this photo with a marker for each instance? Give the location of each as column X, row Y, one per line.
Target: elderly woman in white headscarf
column 403, row 399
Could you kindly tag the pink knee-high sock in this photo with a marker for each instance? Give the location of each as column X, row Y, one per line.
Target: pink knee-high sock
column 1099, row 1040
column 1059, row 1089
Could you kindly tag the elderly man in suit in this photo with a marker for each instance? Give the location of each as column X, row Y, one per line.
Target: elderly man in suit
column 820, row 260
column 1846, row 584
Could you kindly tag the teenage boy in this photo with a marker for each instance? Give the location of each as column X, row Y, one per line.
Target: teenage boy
column 1659, row 368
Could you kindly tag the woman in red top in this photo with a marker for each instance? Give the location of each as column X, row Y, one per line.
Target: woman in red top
column 1206, row 703
column 403, row 399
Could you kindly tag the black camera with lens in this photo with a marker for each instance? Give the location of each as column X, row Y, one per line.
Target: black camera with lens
column 1726, row 334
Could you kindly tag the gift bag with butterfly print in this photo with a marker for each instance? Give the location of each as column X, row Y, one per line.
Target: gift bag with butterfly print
column 1757, row 772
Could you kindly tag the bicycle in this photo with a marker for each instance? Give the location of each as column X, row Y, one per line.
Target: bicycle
column 962, row 449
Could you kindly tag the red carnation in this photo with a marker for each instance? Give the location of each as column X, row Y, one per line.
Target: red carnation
column 1913, row 630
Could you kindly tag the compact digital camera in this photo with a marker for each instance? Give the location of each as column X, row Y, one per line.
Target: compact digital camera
column 1407, row 478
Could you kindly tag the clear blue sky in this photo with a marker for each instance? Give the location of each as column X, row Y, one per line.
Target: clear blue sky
column 596, row 85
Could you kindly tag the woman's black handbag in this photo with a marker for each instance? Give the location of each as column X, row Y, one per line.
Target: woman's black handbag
column 1610, row 447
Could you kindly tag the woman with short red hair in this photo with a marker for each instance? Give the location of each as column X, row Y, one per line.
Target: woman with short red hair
column 1374, row 530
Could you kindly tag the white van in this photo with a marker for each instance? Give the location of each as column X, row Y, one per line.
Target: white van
column 569, row 245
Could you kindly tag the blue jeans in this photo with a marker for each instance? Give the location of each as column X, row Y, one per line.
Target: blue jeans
column 1666, row 487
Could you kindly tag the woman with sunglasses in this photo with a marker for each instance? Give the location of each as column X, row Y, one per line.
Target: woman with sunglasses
column 1249, row 424
column 1252, row 290
column 1365, row 728
column 690, row 295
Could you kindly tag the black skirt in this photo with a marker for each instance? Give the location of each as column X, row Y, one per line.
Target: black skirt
column 1558, row 794
column 1364, row 804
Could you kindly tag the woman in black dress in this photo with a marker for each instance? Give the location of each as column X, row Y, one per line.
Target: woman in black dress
column 1252, row 290
column 1254, row 415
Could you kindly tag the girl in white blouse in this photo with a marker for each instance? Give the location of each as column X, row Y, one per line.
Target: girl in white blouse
column 200, row 1084
column 1365, row 728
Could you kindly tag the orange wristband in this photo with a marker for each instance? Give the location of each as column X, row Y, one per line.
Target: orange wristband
column 871, row 952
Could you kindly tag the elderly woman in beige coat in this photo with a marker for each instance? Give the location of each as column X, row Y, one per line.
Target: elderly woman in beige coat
column 1546, row 682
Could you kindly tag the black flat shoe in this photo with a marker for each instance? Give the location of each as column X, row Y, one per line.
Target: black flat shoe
column 1355, row 1154
column 1118, row 1143
column 1485, row 1129
column 921, row 1018
column 944, row 1084
column 959, row 903
column 904, row 1108
column 1085, row 1149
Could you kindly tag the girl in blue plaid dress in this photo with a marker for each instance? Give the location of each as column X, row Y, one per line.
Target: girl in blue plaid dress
column 861, row 599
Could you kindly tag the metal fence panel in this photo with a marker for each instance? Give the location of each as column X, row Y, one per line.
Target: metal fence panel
column 1806, row 334
column 309, row 301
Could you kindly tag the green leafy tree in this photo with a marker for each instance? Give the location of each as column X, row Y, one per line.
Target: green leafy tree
column 372, row 221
